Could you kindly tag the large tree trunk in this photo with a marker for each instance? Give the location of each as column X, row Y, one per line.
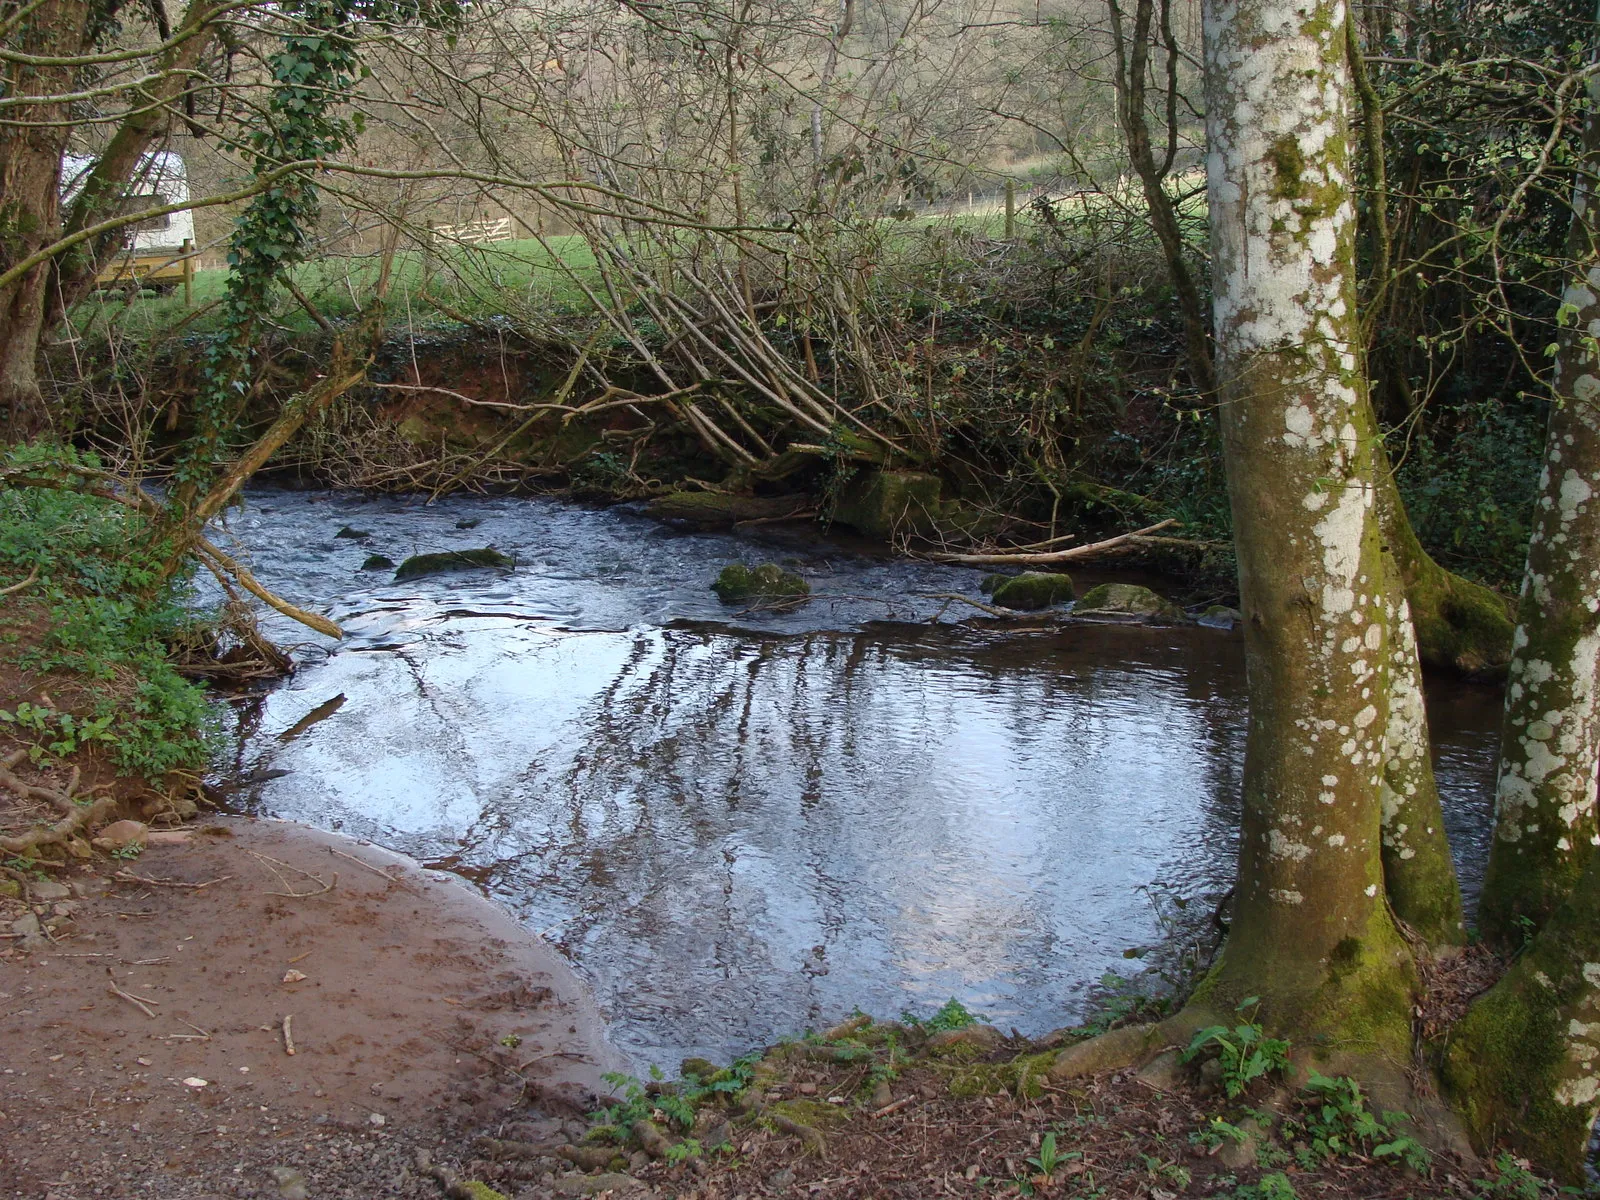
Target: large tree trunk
column 1545, row 829
column 1524, row 1066
column 31, row 145
column 1312, row 933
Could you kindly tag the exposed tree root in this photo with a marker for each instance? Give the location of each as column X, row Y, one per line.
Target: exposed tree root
column 76, row 816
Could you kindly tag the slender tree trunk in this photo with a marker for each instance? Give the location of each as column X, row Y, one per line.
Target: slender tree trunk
column 1312, row 934
column 1545, row 830
column 1133, row 61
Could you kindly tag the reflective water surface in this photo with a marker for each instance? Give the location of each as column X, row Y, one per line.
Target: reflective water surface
column 743, row 824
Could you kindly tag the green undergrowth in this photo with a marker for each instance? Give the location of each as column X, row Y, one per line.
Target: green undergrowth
column 87, row 639
column 1232, row 1120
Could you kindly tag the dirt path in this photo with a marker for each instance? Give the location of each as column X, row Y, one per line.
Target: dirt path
column 424, row 1014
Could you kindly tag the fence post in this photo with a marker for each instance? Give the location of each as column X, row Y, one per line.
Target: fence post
column 1011, row 208
column 188, row 272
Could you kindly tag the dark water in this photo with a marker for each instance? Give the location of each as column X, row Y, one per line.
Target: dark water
column 743, row 825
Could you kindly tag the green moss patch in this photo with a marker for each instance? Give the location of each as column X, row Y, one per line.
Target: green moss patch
column 451, row 560
column 1034, row 590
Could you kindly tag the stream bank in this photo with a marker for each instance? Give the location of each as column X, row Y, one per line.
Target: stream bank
column 143, row 1044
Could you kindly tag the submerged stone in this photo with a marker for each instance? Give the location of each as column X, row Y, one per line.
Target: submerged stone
column 1127, row 600
column 738, row 583
column 1033, row 590
column 1220, row 616
column 378, row 562
column 451, row 560
column 353, row 534
column 472, row 523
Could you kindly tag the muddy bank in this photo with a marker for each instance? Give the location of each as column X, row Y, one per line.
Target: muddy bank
column 421, row 1014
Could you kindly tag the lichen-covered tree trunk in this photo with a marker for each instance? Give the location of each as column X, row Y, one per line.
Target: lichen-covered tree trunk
column 1418, row 872
column 1545, row 829
column 1523, row 1067
column 1312, row 933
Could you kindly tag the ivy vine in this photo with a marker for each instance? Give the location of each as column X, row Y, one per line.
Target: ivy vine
column 311, row 74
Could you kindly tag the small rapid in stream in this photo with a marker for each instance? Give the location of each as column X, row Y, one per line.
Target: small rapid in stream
column 742, row 825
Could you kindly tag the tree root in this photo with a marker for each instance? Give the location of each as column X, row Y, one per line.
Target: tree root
column 75, row 816
column 454, row 1186
column 82, row 817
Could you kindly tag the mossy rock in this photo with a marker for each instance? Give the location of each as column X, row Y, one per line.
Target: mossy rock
column 451, row 560
column 739, row 583
column 1033, row 590
column 378, row 562
column 886, row 504
column 353, row 534
column 816, row 1113
column 719, row 510
column 1127, row 600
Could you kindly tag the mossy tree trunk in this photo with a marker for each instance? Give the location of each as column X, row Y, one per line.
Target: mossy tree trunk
column 1523, row 1067
column 1312, row 933
column 1545, row 829
column 1461, row 625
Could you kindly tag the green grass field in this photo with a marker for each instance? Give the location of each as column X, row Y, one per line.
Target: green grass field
column 526, row 274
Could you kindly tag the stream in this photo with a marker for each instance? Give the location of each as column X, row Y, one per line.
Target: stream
column 741, row 825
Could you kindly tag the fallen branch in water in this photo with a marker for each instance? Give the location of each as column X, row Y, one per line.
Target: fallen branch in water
column 1120, row 542
column 991, row 609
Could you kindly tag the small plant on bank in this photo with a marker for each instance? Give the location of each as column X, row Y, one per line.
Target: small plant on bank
column 1512, row 1181
column 1244, row 1050
column 951, row 1015
column 59, row 734
column 1337, row 1121
column 1275, row 1186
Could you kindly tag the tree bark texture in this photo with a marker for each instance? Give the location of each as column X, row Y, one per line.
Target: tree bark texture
column 31, row 144
column 1312, row 933
column 1545, row 829
column 1523, row 1066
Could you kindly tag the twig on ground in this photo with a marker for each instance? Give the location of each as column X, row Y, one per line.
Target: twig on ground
column 289, row 891
column 142, row 1003
column 14, row 588
column 288, row 1035
column 378, row 871
column 130, row 877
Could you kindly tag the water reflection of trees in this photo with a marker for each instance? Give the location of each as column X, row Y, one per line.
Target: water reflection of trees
column 729, row 804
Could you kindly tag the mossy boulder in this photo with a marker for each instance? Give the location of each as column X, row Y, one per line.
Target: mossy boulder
column 739, row 583
column 1127, row 600
column 1033, row 590
column 378, row 562
column 720, row 510
column 889, row 504
column 351, row 533
column 451, row 560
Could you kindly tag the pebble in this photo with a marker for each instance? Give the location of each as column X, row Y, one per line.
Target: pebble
column 291, row 1183
column 26, row 926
